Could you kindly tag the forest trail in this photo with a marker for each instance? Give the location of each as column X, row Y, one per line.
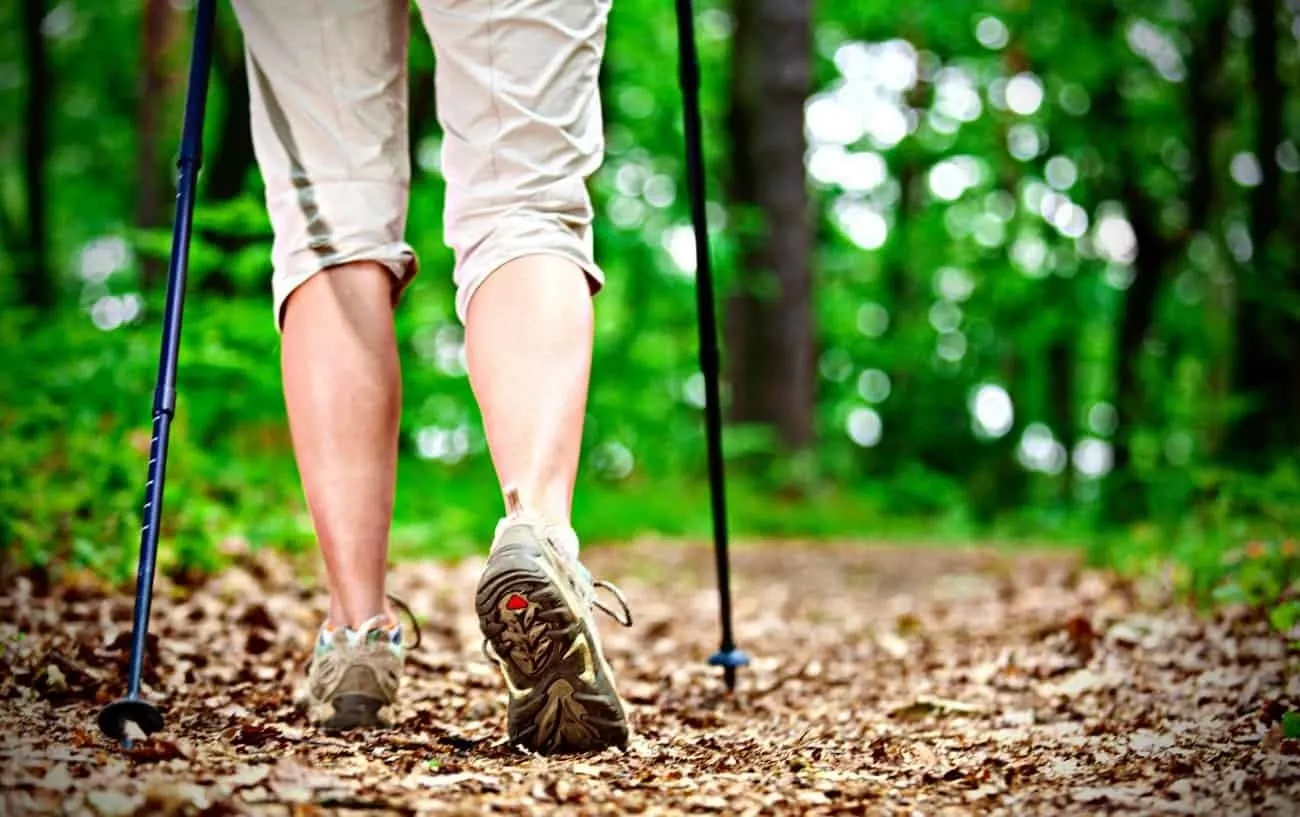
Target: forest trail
column 884, row 681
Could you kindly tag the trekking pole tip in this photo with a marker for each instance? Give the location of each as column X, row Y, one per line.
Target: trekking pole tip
column 729, row 660
column 116, row 718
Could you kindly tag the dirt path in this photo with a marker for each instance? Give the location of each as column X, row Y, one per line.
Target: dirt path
column 885, row 682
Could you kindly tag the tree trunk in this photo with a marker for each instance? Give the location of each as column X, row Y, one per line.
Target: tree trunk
column 769, row 322
column 1205, row 105
column 1124, row 501
column 1136, row 318
column 1267, row 367
column 1154, row 251
column 1064, row 410
column 35, row 284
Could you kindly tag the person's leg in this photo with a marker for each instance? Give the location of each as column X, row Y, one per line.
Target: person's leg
column 328, row 103
column 343, row 393
column 518, row 97
column 519, row 102
column 529, row 332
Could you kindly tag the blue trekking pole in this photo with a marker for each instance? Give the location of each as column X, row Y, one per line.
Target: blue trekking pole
column 728, row 656
column 132, row 709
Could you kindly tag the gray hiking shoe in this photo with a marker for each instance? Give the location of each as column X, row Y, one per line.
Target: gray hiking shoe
column 354, row 675
column 534, row 604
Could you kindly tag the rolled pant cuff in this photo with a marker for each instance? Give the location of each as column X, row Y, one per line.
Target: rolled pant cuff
column 510, row 243
column 397, row 257
column 316, row 227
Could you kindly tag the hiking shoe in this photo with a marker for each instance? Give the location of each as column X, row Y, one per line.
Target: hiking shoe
column 534, row 603
column 353, row 676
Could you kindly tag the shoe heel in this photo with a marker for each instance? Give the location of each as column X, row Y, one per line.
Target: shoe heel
column 352, row 710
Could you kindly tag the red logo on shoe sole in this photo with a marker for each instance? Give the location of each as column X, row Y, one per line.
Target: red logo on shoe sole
column 516, row 602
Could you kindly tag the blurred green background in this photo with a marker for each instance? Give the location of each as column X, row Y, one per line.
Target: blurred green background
column 992, row 271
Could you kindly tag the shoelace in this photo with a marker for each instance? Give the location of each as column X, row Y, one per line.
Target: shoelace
column 598, row 584
column 402, row 607
column 515, row 512
column 415, row 625
column 378, row 621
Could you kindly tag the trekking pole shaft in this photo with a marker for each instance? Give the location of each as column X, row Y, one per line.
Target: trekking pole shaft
column 164, row 399
column 689, row 68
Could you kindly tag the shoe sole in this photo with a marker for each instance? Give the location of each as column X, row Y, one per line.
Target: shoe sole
column 356, row 703
column 564, row 698
column 350, row 711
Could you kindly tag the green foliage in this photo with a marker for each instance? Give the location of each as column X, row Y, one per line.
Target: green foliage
column 1291, row 725
column 78, row 421
column 1234, row 544
column 1258, row 573
column 1285, row 616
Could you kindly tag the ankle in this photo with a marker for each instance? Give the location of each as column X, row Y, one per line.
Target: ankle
column 338, row 618
column 532, row 503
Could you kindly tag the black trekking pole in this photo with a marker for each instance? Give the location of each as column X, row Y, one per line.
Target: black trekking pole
column 728, row 656
column 114, row 718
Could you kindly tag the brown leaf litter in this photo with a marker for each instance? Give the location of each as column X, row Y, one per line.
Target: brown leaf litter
column 884, row 681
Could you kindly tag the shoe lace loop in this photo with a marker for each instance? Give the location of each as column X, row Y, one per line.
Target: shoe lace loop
column 626, row 618
column 415, row 625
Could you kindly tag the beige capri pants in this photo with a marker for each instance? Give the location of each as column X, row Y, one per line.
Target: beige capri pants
column 517, row 98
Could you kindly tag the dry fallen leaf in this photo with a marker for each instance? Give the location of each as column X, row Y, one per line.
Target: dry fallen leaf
column 877, row 686
column 172, row 797
column 248, row 776
column 441, row 781
column 55, row 680
column 892, row 644
column 926, row 705
column 57, row 778
column 155, row 750
column 108, row 803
